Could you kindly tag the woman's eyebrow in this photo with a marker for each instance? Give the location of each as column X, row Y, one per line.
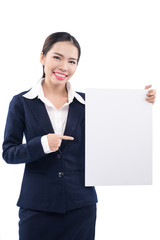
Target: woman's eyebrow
column 58, row 54
column 63, row 56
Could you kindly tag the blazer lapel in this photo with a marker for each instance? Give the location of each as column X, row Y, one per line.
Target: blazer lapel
column 75, row 110
column 40, row 113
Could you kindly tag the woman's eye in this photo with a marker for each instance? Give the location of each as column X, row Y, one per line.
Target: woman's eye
column 56, row 57
column 72, row 62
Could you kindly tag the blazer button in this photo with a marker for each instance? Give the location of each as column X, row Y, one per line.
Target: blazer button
column 58, row 155
column 60, row 174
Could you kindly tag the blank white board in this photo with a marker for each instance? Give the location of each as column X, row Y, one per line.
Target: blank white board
column 118, row 138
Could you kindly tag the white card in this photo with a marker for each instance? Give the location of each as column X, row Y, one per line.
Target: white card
column 118, row 140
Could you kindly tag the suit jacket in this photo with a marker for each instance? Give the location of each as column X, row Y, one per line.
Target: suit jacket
column 51, row 182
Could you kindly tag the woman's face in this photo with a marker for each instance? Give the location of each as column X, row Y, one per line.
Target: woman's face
column 60, row 62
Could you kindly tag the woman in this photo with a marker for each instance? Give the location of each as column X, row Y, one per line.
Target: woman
column 54, row 204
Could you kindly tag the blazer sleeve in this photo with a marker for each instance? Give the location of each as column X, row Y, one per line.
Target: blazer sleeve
column 14, row 152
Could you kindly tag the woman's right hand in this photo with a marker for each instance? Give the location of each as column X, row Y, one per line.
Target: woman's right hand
column 54, row 140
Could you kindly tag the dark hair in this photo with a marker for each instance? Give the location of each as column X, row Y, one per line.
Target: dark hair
column 59, row 37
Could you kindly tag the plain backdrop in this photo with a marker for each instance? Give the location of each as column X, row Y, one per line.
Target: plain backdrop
column 120, row 43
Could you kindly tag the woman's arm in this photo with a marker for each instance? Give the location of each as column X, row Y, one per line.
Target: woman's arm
column 14, row 151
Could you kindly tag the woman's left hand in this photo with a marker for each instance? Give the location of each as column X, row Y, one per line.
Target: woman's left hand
column 151, row 95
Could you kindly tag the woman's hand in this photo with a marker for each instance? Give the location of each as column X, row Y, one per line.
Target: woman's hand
column 54, row 140
column 151, row 95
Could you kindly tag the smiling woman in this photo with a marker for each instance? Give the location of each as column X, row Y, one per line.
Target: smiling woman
column 55, row 204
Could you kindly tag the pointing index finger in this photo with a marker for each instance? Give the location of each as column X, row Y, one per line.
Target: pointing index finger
column 65, row 137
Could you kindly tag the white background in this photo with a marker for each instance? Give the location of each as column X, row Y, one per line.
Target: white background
column 120, row 43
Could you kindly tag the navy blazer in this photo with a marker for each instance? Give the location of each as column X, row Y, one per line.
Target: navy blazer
column 52, row 182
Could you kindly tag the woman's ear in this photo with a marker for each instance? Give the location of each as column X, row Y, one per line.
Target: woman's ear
column 42, row 58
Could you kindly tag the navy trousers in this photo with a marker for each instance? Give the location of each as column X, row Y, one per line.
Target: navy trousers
column 78, row 224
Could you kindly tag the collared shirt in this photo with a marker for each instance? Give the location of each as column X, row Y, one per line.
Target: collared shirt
column 58, row 117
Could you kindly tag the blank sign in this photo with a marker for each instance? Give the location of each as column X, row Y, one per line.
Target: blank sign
column 118, row 146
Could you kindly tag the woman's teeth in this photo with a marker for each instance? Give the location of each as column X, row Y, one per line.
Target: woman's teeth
column 60, row 75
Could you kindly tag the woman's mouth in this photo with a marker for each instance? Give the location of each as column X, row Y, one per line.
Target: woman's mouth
column 60, row 76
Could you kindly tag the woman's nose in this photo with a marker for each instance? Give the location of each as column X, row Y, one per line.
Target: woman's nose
column 63, row 66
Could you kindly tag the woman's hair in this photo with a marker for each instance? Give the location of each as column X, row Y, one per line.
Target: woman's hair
column 59, row 37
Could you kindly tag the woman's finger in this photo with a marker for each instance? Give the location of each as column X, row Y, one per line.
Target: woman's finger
column 151, row 94
column 65, row 137
column 54, row 148
column 151, row 100
column 148, row 86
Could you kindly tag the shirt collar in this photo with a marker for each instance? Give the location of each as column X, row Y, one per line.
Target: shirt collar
column 37, row 91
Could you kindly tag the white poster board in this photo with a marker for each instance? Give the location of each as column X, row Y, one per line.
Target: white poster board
column 118, row 140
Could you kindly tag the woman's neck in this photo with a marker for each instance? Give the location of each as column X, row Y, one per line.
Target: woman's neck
column 54, row 89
